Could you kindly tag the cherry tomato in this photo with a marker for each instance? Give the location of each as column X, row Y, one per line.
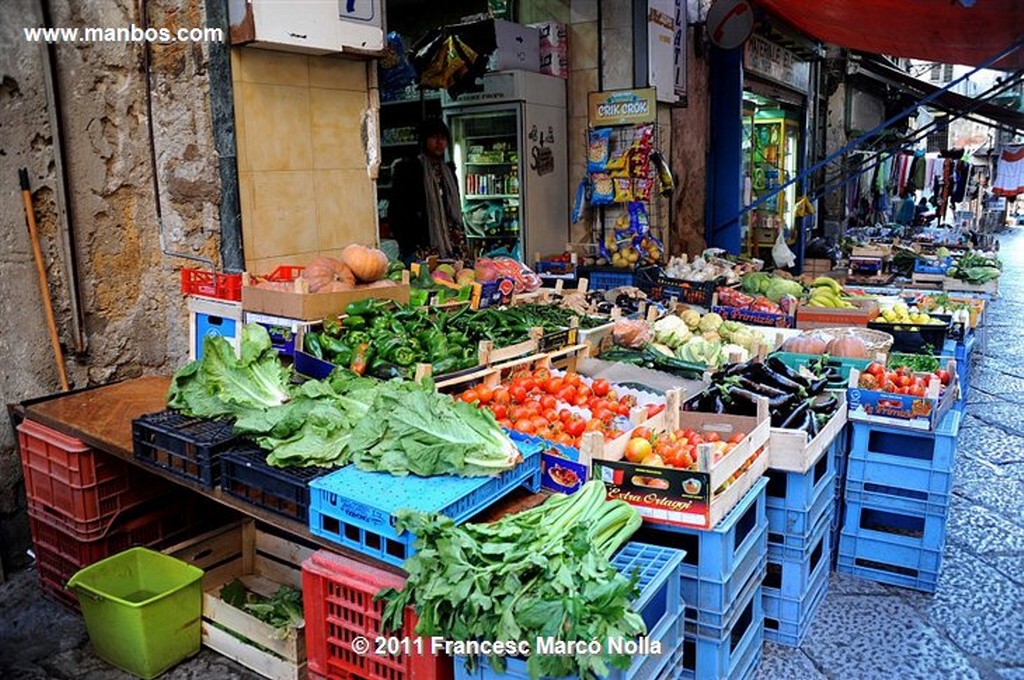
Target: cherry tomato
column 528, row 384
column 593, row 426
column 600, row 387
column 563, row 438
column 567, row 395
column 469, row 396
column 550, row 414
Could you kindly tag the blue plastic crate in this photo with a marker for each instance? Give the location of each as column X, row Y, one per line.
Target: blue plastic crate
column 904, row 531
column 786, row 621
column 713, row 554
column 606, row 280
column 710, row 602
column 878, row 559
column 357, row 509
column 792, row 529
column 725, row 652
column 659, row 604
column 926, row 450
column 792, row 576
column 904, row 487
column 796, row 490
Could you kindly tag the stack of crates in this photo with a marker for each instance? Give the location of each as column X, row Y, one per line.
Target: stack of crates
column 801, row 507
column 85, row 505
column 898, row 489
column 839, row 452
column 721, row 588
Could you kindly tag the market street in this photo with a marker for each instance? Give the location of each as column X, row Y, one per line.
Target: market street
column 971, row 628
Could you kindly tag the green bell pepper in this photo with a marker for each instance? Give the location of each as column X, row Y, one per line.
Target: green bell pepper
column 435, row 343
column 366, row 307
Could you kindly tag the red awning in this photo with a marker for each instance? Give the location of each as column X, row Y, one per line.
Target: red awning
column 934, row 30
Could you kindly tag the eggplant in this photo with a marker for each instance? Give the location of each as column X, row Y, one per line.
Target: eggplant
column 780, row 367
column 761, row 388
column 761, row 373
column 744, row 402
column 828, row 406
column 797, row 418
column 816, row 387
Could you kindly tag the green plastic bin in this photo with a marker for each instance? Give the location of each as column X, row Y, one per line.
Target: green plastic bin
column 843, row 365
column 142, row 609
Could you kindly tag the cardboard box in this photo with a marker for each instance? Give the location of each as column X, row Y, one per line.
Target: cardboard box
column 314, row 306
column 554, row 65
column 285, row 334
column 554, row 36
column 902, row 410
column 518, row 48
column 828, row 317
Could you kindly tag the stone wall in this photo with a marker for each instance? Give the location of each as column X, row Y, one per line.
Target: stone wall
column 135, row 318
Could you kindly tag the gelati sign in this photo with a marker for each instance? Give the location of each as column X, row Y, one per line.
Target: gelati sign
column 623, row 107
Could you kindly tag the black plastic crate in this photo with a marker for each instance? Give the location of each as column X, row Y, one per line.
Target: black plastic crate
column 185, row 446
column 913, row 338
column 555, row 340
column 657, row 286
column 245, row 474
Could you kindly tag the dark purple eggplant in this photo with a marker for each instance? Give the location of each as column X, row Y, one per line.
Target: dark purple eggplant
column 780, row 367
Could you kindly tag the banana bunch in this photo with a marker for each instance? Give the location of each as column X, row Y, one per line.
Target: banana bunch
column 826, row 292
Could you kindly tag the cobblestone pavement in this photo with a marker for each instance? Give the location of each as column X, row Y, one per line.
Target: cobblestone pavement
column 973, row 627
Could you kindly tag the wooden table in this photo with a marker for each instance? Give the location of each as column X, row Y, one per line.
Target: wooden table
column 102, row 418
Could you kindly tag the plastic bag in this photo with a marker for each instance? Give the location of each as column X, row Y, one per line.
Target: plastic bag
column 523, row 278
column 634, row 334
column 783, row 256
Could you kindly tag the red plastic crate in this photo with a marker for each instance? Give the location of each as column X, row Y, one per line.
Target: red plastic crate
column 214, row 285
column 338, row 599
column 52, row 584
column 285, row 273
column 54, row 466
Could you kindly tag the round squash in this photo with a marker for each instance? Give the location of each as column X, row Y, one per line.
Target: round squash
column 804, row 344
column 323, row 271
column 848, row 347
column 368, row 264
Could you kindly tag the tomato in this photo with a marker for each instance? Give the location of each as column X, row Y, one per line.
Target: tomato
column 531, row 408
column 469, row 396
column 622, row 409
column 737, row 438
column 637, row 450
column 573, row 379
column 484, row 394
column 518, row 393
column 524, row 426
column 506, row 423
column 876, row 369
column 563, row 438
column 529, row 384
column 600, row 387
column 501, row 396
column 712, row 437
column 567, row 395
column 653, row 410
column 500, row 411
column 584, row 391
column 575, row 426
column 612, row 395
column 547, row 401
column 565, row 415
column 580, row 401
column 641, row 433
column 593, row 426
column 550, row 414
column 541, row 375
column 539, row 423
column 553, row 385
column 917, row 391
column 943, row 376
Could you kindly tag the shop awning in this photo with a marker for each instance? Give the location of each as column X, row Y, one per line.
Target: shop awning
column 945, row 100
column 944, row 31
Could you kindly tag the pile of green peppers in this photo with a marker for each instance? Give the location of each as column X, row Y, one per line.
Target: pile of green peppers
column 375, row 340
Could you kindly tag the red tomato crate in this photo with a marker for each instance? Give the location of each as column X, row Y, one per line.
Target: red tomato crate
column 76, row 486
column 337, row 595
column 214, row 285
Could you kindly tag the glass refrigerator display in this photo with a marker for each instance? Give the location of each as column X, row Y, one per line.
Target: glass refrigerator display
column 771, row 139
column 485, row 150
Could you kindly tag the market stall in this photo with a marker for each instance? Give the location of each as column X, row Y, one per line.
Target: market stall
column 455, row 455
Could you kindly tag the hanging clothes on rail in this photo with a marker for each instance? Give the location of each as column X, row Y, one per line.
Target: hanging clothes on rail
column 961, row 175
column 918, row 166
column 1009, row 180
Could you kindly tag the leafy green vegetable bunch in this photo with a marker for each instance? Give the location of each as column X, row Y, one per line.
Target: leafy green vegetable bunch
column 540, row 573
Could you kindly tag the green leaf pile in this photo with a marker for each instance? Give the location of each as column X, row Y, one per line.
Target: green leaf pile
column 544, row 572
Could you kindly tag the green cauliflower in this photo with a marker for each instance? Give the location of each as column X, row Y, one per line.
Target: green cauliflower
column 710, row 322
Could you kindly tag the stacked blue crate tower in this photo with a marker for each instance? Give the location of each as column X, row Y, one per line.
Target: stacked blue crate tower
column 898, row 487
column 801, row 510
column 721, row 588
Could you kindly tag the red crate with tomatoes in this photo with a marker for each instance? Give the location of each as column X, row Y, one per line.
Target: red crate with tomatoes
column 902, row 397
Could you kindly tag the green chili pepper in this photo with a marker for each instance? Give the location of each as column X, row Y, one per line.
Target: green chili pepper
column 355, row 338
column 311, row 344
column 404, row 356
column 332, row 326
column 458, row 338
column 353, row 322
column 436, row 344
column 361, row 358
column 365, row 307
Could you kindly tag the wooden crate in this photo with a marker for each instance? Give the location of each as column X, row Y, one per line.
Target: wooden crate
column 958, row 286
column 263, row 562
column 793, row 451
column 565, row 358
column 817, row 266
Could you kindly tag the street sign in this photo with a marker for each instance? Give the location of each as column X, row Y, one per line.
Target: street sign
column 730, row 23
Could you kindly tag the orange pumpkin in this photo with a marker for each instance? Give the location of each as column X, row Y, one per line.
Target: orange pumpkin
column 804, row 344
column 324, row 271
column 848, row 347
column 368, row 264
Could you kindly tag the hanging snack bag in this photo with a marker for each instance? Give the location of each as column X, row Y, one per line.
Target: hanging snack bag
column 639, row 163
column 603, row 190
column 598, row 147
column 642, row 189
column 668, row 185
column 623, row 189
column 644, row 138
column 582, row 190
column 638, row 220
